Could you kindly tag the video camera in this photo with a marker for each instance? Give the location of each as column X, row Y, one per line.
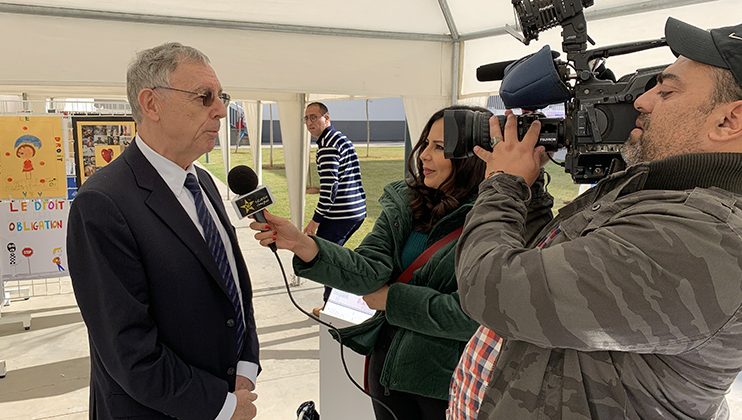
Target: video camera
column 599, row 110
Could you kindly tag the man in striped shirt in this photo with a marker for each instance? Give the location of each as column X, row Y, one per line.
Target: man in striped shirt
column 342, row 201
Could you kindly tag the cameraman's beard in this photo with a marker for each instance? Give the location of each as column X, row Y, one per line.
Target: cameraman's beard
column 634, row 149
column 631, row 152
column 683, row 137
column 644, row 148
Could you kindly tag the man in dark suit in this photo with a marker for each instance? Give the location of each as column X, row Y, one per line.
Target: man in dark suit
column 155, row 264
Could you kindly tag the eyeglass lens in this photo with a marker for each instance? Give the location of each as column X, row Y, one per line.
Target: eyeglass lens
column 208, row 98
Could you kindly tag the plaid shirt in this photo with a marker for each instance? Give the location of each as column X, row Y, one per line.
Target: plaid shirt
column 474, row 371
column 472, row 375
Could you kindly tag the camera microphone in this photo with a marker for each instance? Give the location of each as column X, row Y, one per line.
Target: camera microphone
column 498, row 71
column 493, row 71
column 251, row 199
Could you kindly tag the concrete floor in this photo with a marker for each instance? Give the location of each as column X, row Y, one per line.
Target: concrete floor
column 49, row 365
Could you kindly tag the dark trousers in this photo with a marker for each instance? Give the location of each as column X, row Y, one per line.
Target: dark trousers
column 337, row 231
column 406, row 406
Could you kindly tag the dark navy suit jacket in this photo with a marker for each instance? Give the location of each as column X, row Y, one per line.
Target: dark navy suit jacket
column 160, row 322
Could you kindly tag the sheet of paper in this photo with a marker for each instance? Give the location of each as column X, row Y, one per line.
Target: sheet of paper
column 347, row 306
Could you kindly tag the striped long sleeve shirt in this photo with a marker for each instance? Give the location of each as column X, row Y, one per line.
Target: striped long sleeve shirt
column 341, row 195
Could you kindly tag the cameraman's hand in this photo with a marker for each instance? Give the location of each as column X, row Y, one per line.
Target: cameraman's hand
column 519, row 158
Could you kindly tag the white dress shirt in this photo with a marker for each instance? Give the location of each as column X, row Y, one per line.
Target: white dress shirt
column 174, row 176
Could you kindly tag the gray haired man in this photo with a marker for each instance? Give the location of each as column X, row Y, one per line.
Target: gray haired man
column 155, row 264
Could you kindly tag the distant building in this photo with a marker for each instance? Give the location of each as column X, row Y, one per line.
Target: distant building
column 386, row 119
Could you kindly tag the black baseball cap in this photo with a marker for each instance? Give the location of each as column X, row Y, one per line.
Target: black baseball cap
column 720, row 47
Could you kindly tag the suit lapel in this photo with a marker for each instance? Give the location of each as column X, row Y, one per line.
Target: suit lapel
column 163, row 203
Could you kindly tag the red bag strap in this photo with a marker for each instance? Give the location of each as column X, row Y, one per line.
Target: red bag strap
column 406, row 276
column 421, row 259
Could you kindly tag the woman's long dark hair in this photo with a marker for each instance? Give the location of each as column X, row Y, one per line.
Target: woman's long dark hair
column 429, row 205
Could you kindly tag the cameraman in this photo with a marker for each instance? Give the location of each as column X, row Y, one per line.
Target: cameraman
column 628, row 304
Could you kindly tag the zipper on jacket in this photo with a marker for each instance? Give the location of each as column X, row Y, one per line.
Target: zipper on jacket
column 388, row 367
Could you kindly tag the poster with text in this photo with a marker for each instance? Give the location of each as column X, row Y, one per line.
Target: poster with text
column 33, row 238
column 32, row 159
column 98, row 141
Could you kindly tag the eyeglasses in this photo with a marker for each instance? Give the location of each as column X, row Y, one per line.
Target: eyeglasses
column 313, row 117
column 207, row 98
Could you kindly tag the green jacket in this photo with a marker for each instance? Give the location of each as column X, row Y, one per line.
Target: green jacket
column 432, row 330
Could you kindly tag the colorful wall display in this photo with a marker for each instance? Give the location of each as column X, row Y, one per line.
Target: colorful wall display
column 32, row 159
column 98, row 141
column 32, row 238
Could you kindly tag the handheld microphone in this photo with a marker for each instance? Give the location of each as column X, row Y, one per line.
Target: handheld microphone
column 251, row 199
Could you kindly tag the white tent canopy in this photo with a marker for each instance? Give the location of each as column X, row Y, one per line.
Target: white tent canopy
column 421, row 50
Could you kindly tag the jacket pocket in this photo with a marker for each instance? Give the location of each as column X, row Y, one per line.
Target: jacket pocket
column 362, row 337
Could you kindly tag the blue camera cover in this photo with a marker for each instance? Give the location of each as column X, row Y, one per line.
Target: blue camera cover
column 533, row 82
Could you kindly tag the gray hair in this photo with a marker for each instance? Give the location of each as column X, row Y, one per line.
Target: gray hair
column 153, row 67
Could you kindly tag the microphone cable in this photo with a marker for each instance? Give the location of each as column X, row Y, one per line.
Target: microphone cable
column 330, row 326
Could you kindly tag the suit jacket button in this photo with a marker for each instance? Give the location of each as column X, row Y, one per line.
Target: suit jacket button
column 230, row 323
column 230, row 371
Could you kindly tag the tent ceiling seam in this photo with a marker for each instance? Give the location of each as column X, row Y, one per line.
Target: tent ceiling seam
column 217, row 23
column 592, row 15
column 450, row 22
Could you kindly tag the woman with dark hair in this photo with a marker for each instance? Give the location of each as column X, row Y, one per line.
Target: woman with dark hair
column 404, row 269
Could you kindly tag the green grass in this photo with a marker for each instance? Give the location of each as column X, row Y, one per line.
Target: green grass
column 382, row 166
column 561, row 186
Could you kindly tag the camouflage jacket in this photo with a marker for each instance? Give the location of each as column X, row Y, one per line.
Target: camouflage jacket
column 632, row 308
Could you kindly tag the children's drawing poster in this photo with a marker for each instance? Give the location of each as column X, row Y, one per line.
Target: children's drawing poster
column 32, row 238
column 32, row 158
column 98, row 141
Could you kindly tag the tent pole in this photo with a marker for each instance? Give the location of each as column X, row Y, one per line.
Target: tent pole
column 368, row 131
column 270, row 132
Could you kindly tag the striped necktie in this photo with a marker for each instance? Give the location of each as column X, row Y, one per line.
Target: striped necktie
column 216, row 246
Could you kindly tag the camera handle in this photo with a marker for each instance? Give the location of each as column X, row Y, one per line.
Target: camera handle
column 582, row 60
